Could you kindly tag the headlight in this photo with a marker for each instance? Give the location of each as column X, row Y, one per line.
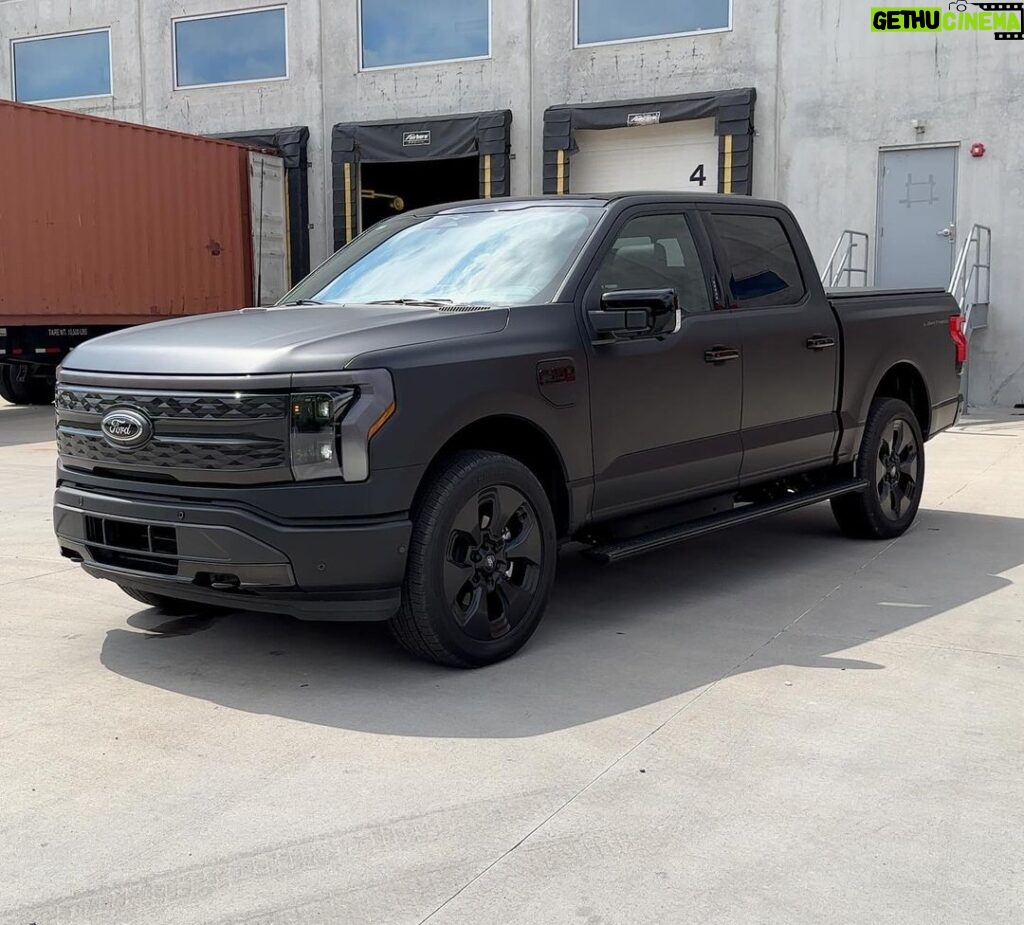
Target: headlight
column 316, row 421
column 333, row 418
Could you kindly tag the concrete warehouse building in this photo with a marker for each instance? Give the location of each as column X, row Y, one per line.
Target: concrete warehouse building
column 378, row 106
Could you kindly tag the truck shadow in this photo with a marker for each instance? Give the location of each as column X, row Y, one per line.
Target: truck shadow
column 613, row 639
column 21, row 425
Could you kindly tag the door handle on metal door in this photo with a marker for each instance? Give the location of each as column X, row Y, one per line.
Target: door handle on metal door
column 820, row 342
column 720, row 355
column 947, row 232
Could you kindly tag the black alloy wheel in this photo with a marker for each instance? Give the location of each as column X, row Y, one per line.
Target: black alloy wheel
column 481, row 561
column 891, row 460
column 493, row 562
column 896, row 470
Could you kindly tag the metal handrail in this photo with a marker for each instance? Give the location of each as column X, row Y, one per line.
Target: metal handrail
column 846, row 245
column 976, row 272
column 973, row 274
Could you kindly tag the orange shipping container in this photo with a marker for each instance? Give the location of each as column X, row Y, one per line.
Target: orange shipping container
column 108, row 223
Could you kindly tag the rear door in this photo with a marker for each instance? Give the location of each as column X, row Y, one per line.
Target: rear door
column 665, row 415
column 789, row 337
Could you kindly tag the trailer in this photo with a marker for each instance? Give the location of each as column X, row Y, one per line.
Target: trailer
column 107, row 224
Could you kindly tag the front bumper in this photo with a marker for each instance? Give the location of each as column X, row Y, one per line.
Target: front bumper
column 327, row 569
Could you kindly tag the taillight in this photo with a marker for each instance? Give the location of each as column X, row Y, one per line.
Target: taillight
column 956, row 331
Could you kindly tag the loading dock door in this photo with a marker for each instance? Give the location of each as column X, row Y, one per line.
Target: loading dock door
column 674, row 156
column 269, row 204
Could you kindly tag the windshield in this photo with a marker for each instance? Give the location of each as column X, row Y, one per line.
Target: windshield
column 500, row 257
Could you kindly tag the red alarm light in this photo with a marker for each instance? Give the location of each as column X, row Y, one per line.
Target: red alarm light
column 977, row 149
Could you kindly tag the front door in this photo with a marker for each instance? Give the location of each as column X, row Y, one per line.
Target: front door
column 916, row 218
column 665, row 413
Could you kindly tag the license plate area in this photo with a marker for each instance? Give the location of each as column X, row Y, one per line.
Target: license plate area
column 130, row 544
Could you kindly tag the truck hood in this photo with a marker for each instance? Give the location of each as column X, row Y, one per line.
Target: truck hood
column 276, row 340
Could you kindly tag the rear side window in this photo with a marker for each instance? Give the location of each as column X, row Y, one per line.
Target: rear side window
column 765, row 271
column 656, row 252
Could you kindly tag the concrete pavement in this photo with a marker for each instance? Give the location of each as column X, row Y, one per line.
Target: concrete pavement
column 774, row 724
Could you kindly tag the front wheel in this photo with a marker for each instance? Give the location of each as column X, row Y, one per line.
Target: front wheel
column 891, row 458
column 481, row 562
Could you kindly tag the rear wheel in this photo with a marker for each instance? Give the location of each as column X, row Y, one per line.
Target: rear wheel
column 891, row 458
column 481, row 563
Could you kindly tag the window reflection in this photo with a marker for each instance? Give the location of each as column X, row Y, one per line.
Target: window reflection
column 62, row 67
column 616, row 21
column 506, row 257
column 231, row 48
column 413, row 31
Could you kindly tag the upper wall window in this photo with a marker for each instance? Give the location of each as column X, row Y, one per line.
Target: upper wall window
column 397, row 32
column 604, row 21
column 231, row 48
column 62, row 67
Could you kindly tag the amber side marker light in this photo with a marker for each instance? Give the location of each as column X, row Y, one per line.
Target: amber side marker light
column 382, row 420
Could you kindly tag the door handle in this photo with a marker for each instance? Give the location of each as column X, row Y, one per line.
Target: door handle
column 946, row 232
column 820, row 342
column 720, row 355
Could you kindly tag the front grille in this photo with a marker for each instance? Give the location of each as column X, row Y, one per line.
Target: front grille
column 196, row 406
column 174, row 453
column 237, row 434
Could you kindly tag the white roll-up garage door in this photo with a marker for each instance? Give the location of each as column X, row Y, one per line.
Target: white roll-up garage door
column 675, row 156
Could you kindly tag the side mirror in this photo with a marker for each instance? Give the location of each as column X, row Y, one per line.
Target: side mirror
column 633, row 314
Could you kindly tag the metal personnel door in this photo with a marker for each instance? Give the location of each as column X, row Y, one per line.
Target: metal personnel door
column 916, row 218
column 268, row 192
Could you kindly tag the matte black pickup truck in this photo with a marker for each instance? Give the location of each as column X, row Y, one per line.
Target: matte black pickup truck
column 430, row 414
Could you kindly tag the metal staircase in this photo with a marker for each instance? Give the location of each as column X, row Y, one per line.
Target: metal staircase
column 846, row 263
column 971, row 286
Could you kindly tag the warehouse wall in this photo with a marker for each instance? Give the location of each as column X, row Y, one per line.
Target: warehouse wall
column 829, row 94
column 845, row 92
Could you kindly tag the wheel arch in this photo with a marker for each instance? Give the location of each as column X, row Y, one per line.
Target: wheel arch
column 524, row 441
column 903, row 380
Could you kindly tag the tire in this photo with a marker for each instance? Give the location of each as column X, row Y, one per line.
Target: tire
column 6, row 392
column 473, row 595
column 30, row 390
column 891, row 458
column 168, row 605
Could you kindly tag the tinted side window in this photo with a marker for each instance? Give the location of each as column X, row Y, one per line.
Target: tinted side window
column 765, row 271
column 656, row 252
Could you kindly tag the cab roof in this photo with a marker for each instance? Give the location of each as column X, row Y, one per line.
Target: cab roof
column 596, row 200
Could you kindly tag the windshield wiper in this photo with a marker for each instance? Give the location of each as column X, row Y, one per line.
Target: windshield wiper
column 412, row 301
column 299, row 302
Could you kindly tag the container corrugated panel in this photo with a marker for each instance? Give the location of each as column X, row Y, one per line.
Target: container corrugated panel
column 105, row 222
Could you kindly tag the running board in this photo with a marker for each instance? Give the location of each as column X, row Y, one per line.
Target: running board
column 609, row 553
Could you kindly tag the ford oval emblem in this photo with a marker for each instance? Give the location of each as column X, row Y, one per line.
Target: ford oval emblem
column 126, row 429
